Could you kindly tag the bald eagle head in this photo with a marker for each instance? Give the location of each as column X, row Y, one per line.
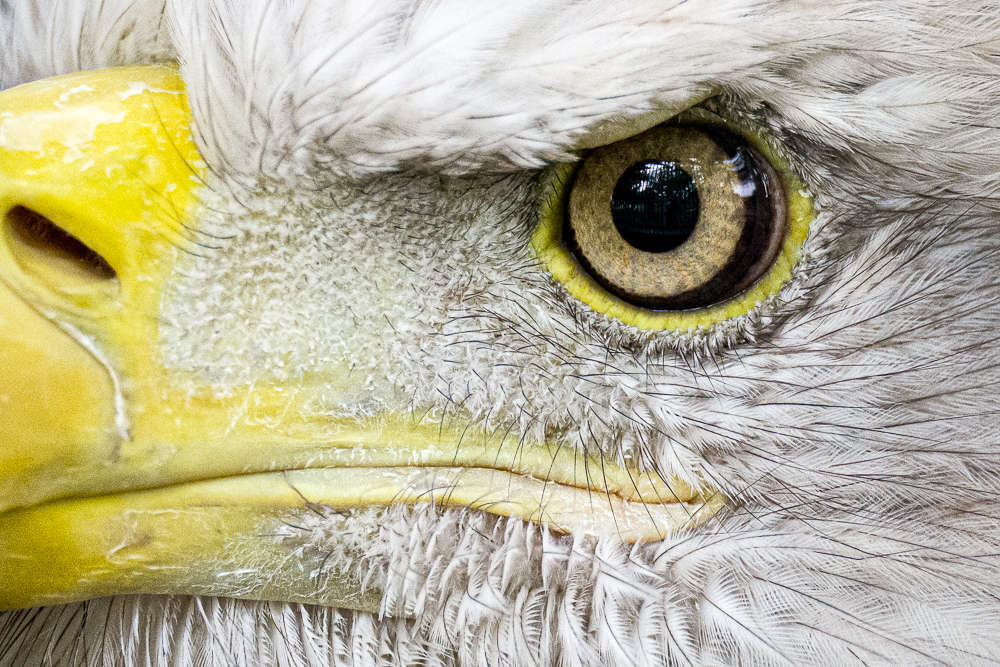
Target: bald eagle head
column 531, row 333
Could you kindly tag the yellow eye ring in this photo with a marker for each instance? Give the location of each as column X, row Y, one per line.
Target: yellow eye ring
column 547, row 243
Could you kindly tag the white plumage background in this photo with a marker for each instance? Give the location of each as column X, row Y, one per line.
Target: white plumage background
column 377, row 171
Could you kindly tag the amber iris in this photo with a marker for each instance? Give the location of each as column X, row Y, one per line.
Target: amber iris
column 678, row 217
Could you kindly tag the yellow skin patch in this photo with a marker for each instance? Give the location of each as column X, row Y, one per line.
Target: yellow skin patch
column 120, row 475
column 548, row 245
column 216, row 537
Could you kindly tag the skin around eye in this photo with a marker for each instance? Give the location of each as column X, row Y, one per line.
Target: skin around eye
column 683, row 226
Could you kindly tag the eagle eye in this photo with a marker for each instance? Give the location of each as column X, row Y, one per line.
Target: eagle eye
column 687, row 224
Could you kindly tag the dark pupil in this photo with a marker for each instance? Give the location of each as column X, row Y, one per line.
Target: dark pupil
column 655, row 205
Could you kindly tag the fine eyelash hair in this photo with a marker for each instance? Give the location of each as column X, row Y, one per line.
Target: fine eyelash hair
column 400, row 148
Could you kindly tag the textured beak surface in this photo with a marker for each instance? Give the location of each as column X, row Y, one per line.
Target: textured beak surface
column 119, row 475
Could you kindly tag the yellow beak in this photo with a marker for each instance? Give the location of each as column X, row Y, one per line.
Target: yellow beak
column 119, row 475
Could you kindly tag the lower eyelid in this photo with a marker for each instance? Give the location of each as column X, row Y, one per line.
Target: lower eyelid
column 547, row 243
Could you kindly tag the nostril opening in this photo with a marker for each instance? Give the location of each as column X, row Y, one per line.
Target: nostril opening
column 42, row 247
